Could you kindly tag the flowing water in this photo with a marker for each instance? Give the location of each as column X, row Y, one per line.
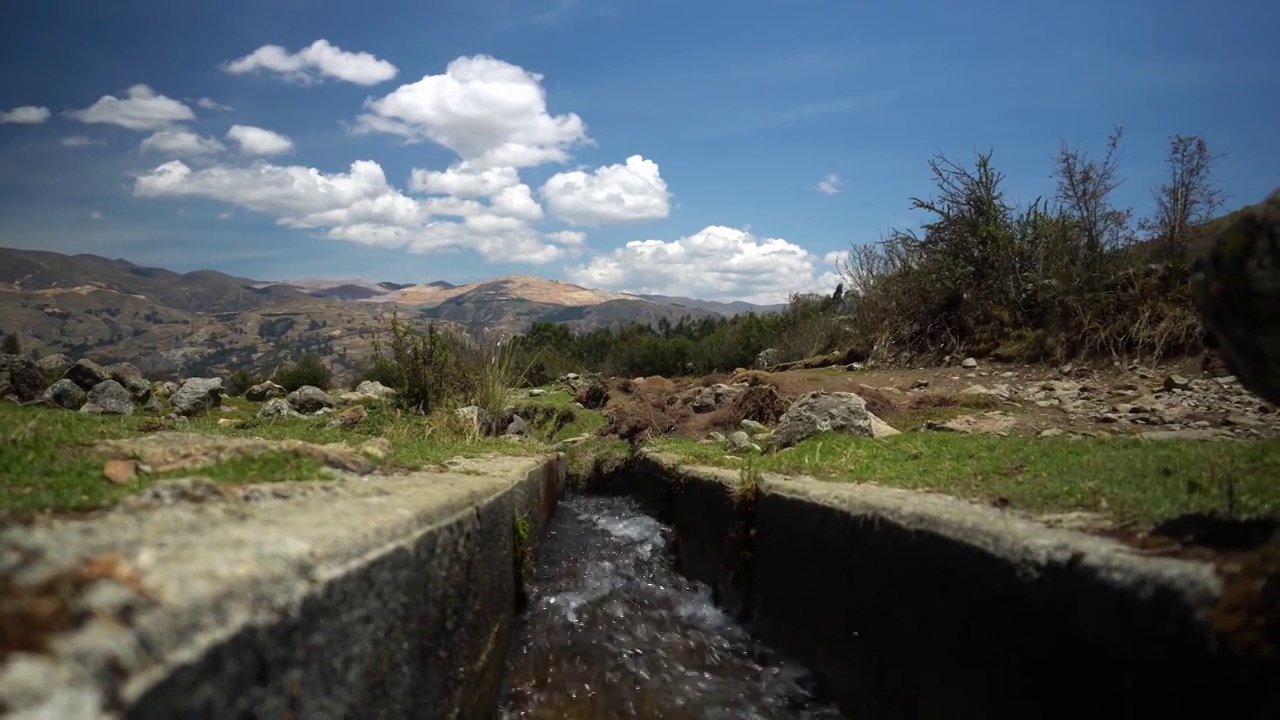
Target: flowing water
column 612, row 631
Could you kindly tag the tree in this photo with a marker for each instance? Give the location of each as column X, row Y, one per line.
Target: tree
column 1084, row 190
column 11, row 346
column 1188, row 197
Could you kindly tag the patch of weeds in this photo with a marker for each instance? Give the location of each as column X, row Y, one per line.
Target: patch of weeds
column 589, row 463
column 1129, row 479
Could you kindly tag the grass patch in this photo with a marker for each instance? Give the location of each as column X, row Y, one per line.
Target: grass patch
column 1129, row 479
column 47, row 463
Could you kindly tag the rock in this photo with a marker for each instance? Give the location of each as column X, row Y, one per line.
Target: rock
column 739, row 441
column 477, row 419
column 108, row 398
column 263, row 391
column 593, row 394
column 1176, row 382
column 517, row 427
column 1050, row 432
column 375, row 389
column 277, row 408
column 969, row 363
column 153, row 405
column 230, row 422
column 993, row 423
column 351, row 416
column 25, row 381
column 86, row 373
column 920, row 385
column 196, row 395
column 378, row 448
column 131, row 379
column 120, row 472
column 310, row 399
column 536, row 392
column 711, row 397
column 818, row 412
column 163, row 388
column 766, row 358
column 352, row 397
column 65, row 394
column 54, row 365
column 568, row 377
column 752, row 426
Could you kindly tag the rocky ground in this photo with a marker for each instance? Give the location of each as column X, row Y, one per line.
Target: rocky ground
column 1177, row 401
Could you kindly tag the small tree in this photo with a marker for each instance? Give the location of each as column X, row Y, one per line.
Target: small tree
column 11, row 346
column 306, row 370
column 1188, row 198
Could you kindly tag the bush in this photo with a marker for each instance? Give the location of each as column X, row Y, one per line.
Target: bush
column 306, row 370
column 241, row 380
column 11, row 345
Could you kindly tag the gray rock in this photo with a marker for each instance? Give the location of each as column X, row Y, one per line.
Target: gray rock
column 713, row 396
column 86, row 373
column 969, row 363
column 54, row 365
column 65, row 394
column 818, row 412
column 375, row 389
column 263, row 391
column 164, row 388
column 752, row 426
column 766, row 358
column 537, row 392
column 196, row 395
column 131, row 378
column 108, row 398
column 739, row 441
column 277, row 408
column 310, row 399
column 517, row 427
column 22, row 377
column 477, row 418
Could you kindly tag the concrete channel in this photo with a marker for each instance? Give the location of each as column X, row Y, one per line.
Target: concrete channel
column 396, row 596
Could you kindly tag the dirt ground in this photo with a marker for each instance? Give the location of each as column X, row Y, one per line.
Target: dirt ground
column 910, row 399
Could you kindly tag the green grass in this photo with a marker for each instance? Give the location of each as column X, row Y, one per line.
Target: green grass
column 1128, row 479
column 46, row 462
column 548, row 429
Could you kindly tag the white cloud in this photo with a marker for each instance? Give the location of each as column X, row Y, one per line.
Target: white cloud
column 259, row 141
column 317, row 60
column 80, row 141
column 829, row 184
column 224, row 215
column 96, row 215
column 25, row 115
column 567, row 237
column 211, row 104
column 490, row 112
column 611, row 194
column 142, row 109
column 362, row 207
column 180, row 143
column 464, row 180
column 716, row 263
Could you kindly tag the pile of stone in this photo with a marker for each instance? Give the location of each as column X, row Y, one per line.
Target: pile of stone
column 85, row 386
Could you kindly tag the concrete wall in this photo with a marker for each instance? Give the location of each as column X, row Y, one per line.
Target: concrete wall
column 389, row 597
column 911, row 605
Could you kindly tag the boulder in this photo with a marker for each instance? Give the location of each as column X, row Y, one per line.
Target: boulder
column 21, row 377
column 818, row 412
column 310, row 399
column 277, row 408
column 264, row 391
column 131, row 379
column 108, row 398
column 196, row 395
column 86, row 373
column 65, row 394
column 375, row 389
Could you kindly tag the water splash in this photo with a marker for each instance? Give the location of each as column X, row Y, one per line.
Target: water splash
column 615, row 632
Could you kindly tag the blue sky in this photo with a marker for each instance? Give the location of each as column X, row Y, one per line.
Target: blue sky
column 650, row 146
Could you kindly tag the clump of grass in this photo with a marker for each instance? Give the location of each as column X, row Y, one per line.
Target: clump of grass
column 1128, row 479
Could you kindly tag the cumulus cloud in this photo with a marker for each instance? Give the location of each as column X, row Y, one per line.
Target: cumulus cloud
column 211, row 104
column 829, row 184
column 140, row 109
column 25, row 115
column 180, row 143
column 80, row 141
column 611, row 194
column 259, row 141
column 715, row 263
column 567, row 237
column 464, row 180
column 490, row 112
column 95, row 215
column 360, row 206
column 314, row 62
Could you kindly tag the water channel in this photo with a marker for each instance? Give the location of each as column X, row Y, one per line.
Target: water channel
column 613, row 631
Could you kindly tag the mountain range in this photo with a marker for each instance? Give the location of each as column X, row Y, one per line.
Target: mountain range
column 171, row 324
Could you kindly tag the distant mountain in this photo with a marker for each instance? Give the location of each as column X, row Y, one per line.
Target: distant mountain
column 170, row 323
column 723, row 308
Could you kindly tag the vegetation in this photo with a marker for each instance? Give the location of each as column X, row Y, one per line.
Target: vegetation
column 308, row 369
column 11, row 345
column 1128, row 479
column 1069, row 276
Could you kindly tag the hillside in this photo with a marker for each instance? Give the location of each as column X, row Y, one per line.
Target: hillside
column 170, row 323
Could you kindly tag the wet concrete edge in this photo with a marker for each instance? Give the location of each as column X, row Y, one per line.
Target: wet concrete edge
column 913, row 605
